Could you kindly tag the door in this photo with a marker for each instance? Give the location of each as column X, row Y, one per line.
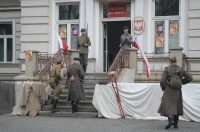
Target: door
column 112, row 32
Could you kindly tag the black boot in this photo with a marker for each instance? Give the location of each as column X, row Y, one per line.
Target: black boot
column 176, row 119
column 76, row 106
column 53, row 110
column 85, row 68
column 171, row 122
column 73, row 106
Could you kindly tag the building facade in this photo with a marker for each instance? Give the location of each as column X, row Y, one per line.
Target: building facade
column 32, row 25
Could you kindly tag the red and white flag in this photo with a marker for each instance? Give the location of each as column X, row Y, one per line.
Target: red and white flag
column 137, row 46
column 62, row 43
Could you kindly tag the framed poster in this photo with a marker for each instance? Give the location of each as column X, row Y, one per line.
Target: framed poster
column 63, row 31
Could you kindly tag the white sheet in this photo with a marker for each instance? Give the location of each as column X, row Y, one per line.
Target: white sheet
column 141, row 101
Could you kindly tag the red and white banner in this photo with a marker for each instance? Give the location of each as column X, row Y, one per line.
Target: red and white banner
column 117, row 10
column 137, row 46
column 62, row 43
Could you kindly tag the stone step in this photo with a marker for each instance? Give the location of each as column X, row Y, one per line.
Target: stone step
column 69, row 108
column 68, row 103
column 69, row 114
column 65, row 91
column 64, row 97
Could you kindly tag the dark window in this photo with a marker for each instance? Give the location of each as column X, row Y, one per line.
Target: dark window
column 68, row 12
column 5, row 28
column 166, row 7
column 1, row 49
column 9, row 49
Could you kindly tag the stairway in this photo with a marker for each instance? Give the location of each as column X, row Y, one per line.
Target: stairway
column 86, row 109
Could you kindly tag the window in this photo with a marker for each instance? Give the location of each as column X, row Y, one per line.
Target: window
column 68, row 12
column 6, row 41
column 166, row 25
column 166, row 7
column 68, row 23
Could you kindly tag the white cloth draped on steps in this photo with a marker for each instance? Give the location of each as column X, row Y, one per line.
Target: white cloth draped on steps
column 141, row 101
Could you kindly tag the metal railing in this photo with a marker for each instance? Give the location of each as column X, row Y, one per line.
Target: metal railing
column 121, row 61
column 46, row 67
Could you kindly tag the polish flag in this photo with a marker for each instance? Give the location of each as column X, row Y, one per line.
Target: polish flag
column 138, row 47
column 62, row 43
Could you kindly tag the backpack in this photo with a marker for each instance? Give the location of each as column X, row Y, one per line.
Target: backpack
column 175, row 82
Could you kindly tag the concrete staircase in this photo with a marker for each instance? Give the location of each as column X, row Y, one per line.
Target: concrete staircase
column 86, row 109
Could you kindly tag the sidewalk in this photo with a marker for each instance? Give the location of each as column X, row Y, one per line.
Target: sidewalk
column 61, row 124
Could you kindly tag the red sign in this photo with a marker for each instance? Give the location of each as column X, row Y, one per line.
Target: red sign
column 138, row 25
column 117, row 10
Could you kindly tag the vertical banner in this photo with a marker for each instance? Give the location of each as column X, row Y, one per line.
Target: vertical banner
column 117, row 10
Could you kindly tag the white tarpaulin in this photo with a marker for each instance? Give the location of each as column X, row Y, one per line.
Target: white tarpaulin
column 141, row 101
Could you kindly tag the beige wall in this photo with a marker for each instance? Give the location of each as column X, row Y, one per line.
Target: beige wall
column 35, row 25
column 194, row 28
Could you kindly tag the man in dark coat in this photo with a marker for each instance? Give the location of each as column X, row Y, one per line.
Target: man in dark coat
column 126, row 39
column 75, row 75
column 172, row 102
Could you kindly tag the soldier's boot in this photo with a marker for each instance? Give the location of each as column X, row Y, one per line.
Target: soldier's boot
column 76, row 106
column 54, row 105
column 85, row 68
column 171, row 122
column 176, row 119
column 73, row 106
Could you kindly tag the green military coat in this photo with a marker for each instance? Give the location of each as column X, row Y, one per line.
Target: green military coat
column 81, row 41
column 172, row 102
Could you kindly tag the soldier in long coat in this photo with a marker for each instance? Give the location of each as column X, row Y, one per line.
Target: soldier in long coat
column 172, row 102
column 83, row 43
column 75, row 75
column 54, row 79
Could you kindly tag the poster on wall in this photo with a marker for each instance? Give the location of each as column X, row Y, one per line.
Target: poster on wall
column 74, row 32
column 159, row 42
column 159, row 29
column 117, row 10
column 63, row 32
column 173, row 28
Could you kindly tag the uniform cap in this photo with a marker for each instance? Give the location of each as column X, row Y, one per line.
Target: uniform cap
column 83, row 29
column 173, row 59
column 58, row 59
column 77, row 58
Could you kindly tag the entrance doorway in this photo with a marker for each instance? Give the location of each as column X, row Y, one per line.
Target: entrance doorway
column 112, row 33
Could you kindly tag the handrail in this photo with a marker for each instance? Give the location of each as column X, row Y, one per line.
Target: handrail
column 121, row 61
column 44, row 73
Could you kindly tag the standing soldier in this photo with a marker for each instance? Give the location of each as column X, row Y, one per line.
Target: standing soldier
column 75, row 75
column 83, row 43
column 54, row 79
column 172, row 102
column 126, row 39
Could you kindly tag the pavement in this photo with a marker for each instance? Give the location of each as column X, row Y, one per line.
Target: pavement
column 63, row 124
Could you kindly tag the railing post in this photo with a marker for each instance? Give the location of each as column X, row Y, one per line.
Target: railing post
column 31, row 64
column 133, row 59
column 178, row 53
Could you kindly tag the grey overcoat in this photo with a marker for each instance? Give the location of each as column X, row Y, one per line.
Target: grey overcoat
column 75, row 88
column 172, row 102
